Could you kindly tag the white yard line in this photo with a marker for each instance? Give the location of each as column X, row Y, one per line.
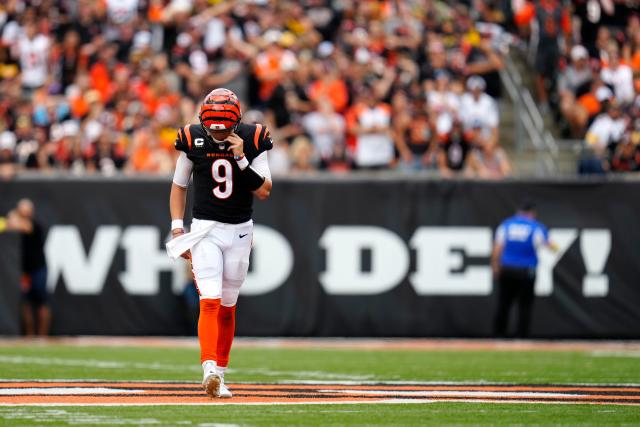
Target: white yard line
column 303, row 374
column 453, row 393
column 423, row 344
column 626, row 354
column 73, row 418
column 187, row 368
column 59, row 391
column 346, row 402
column 96, row 364
column 321, row 382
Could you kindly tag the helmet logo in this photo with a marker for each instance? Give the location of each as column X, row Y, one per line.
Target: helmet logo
column 217, row 126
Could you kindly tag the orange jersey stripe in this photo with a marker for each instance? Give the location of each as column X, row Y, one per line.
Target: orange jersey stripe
column 256, row 136
column 188, row 134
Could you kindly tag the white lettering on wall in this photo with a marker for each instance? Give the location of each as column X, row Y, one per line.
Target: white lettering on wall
column 441, row 267
column 344, row 246
column 595, row 246
column 145, row 260
column 83, row 273
column 548, row 259
column 271, row 264
column 437, row 261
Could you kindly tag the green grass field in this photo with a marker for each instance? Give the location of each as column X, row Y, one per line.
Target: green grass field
column 23, row 361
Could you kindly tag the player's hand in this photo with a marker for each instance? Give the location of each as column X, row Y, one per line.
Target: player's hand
column 179, row 232
column 236, row 145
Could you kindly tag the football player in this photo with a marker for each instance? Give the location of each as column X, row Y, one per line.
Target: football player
column 228, row 160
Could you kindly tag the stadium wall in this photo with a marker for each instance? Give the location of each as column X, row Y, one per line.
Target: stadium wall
column 357, row 256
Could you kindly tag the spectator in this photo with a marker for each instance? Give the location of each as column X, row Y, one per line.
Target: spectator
column 485, row 61
column 489, row 160
column 370, row 122
column 106, row 155
column 302, row 155
column 339, row 162
column 8, row 67
column 607, row 130
column 270, row 64
column 618, row 75
column 443, row 103
column 479, row 110
column 33, row 49
column 626, row 157
column 573, row 82
column 330, row 87
column 602, row 140
column 36, row 314
column 552, row 20
column 68, row 57
column 414, row 136
column 8, row 159
column 326, row 129
column 455, row 148
column 632, row 52
column 592, row 16
column 589, row 105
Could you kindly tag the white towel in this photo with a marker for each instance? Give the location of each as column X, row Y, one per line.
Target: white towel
column 181, row 244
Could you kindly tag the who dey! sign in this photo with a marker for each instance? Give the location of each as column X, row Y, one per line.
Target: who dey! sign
column 343, row 257
column 440, row 260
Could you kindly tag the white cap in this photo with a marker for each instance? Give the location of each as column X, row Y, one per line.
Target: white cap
column 180, row 6
column 199, row 63
column 72, row 91
column 93, row 130
column 579, row 52
column 476, row 82
column 56, row 133
column 253, row 116
column 184, row 39
column 362, row 55
column 142, row 40
column 325, row 49
column 272, row 36
column 603, row 93
column 288, row 61
column 70, row 128
column 7, row 140
column 360, row 34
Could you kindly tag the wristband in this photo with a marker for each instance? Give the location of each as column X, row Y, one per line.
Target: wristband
column 177, row 223
column 242, row 162
column 253, row 179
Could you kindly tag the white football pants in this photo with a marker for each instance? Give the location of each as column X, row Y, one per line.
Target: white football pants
column 220, row 260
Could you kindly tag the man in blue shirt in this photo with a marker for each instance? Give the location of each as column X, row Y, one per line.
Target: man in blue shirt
column 514, row 261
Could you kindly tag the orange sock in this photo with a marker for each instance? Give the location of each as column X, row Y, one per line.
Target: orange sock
column 208, row 328
column 226, row 331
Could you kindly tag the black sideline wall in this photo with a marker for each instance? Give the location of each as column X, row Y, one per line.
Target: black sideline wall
column 354, row 257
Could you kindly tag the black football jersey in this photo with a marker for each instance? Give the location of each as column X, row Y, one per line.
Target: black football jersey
column 220, row 193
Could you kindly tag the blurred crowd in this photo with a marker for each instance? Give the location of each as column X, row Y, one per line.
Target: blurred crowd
column 101, row 86
column 587, row 63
